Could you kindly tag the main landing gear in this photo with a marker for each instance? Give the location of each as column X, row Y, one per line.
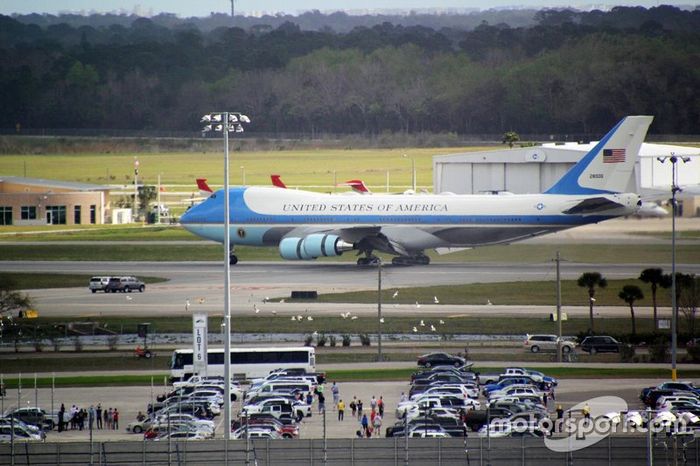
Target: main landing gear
column 370, row 261
column 418, row 259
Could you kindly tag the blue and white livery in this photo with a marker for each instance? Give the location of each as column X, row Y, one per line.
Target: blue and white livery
column 306, row 225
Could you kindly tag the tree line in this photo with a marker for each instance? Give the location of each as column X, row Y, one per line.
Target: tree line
column 570, row 72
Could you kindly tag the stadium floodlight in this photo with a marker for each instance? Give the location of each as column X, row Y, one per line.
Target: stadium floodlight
column 229, row 122
column 675, row 189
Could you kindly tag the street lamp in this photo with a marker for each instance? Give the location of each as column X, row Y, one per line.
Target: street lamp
column 674, row 305
column 226, row 122
column 413, row 171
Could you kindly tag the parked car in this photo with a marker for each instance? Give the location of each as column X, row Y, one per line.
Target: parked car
column 600, row 344
column 537, row 343
column 125, row 285
column 440, row 359
column 34, row 416
column 20, row 434
column 98, row 284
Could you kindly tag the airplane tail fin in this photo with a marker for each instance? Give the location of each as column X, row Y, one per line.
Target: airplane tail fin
column 608, row 167
column 277, row 181
column 357, row 185
column 204, row 188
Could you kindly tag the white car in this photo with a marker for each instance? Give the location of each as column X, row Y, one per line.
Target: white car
column 515, row 390
column 188, row 418
column 182, row 435
column 198, row 379
column 436, row 402
column 468, row 391
column 271, row 405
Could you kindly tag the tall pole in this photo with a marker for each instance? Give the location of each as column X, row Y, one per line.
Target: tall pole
column 379, row 311
column 158, row 211
column 674, row 304
column 558, row 309
column 136, row 187
column 227, row 292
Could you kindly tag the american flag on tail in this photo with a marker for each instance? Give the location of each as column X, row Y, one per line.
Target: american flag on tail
column 613, row 155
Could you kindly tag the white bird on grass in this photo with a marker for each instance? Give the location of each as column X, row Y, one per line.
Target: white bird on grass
column 281, row 301
column 381, row 321
column 294, row 318
column 353, row 317
column 417, row 304
column 315, row 333
column 415, row 329
column 309, row 318
column 300, row 318
column 129, row 298
column 432, row 328
column 488, row 302
column 435, row 300
column 274, row 313
column 422, row 324
column 255, row 308
column 345, row 315
column 396, row 293
column 442, row 321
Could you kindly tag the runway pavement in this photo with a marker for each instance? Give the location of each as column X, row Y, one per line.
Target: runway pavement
column 202, row 284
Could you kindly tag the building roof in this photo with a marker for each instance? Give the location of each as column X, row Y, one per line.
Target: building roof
column 74, row 186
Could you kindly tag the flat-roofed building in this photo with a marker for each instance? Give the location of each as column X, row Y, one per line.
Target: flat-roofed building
column 32, row 201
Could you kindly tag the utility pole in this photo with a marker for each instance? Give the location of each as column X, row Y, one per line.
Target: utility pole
column 379, row 311
column 558, row 260
column 233, row 8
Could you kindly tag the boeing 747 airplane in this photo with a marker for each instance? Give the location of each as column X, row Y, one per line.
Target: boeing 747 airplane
column 307, row 225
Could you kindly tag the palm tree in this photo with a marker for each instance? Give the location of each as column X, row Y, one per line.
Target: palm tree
column 591, row 280
column 630, row 294
column 655, row 277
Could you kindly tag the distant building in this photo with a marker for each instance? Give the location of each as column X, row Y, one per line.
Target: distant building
column 535, row 169
column 31, row 201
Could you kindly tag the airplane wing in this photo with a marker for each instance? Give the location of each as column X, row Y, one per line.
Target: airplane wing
column 593, row 205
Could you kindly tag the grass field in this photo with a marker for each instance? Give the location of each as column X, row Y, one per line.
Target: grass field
column 316, row 169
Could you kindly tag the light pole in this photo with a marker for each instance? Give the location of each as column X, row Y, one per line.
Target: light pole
column 674, row 305
column 379, row 311
column 413, row 171
column 136, row 188
column 226, row 122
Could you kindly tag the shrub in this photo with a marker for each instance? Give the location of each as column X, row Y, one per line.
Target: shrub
column 332, row 340
column 346, row 340
column 364, row 339
column 321, row 340
column 627, row 352
column 658, row 351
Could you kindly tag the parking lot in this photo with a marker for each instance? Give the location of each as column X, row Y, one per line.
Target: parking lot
column 130, row 400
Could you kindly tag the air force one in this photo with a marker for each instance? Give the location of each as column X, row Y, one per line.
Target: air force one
column 307, row 225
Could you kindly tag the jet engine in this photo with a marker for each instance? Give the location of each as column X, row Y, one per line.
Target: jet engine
column 313, row 246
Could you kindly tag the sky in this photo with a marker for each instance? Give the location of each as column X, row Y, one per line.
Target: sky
column 187, row 8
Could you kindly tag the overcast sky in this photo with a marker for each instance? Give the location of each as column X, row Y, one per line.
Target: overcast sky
column 187, row 8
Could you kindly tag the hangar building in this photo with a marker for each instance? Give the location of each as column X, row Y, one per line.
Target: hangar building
column 535, row 169
column 32, row 201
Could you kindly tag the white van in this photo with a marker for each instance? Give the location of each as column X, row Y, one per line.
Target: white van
column 98, row 284
column 288, row 386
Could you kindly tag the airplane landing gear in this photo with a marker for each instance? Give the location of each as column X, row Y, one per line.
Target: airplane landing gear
column 418, row 259
column 369, row 261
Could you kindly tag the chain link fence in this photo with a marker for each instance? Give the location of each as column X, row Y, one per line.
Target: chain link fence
column 611, row 451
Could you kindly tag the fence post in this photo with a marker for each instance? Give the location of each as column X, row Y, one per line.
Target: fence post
column 481, row 452
column 352, row 451
column 610, row 450
column 58, row 454
column 396, row 451
column 522, row 449
column 439, row 452
column 143, row 451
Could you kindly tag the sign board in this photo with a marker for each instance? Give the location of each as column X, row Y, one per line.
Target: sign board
column 664, row 323
column 199, row 343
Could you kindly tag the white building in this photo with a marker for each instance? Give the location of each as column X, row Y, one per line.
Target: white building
column 535, row 169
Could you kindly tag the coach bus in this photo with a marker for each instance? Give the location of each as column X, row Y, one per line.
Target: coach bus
column 245, row 362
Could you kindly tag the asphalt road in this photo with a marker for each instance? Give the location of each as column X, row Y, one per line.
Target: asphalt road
column 202, row 284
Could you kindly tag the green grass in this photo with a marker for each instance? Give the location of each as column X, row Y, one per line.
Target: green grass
column 36, row 281
column 15, row 363
column 454, row 324
column 317, row 169
column 689, row 234
column 96, row 233
column 507, row 293
column 645, row 255
column 355, row 375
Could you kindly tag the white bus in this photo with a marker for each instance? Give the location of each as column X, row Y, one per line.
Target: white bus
column 245, row 362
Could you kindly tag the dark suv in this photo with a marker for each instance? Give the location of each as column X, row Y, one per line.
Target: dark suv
column 600, row 344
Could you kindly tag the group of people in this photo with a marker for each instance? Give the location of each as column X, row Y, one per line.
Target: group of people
column 369, row 425
column 94, row 416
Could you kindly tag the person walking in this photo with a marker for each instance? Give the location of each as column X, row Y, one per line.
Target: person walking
column 373, row 403
column 359, row 409
column 321, row 403
column 353, row 406
column 336, row 393
column 380, row 405
column 341, row 410
column 98, row 416
column 377, row 425
column 365, row 425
